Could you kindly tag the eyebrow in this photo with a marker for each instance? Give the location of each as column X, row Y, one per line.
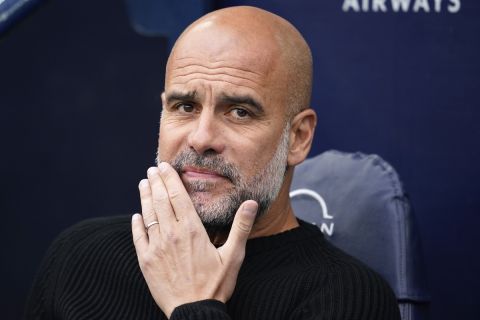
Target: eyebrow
column 242, row 99
column 181, row 96
column 224, row 99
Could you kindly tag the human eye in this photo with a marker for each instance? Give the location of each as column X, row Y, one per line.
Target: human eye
column 240, row 113
column 184, row 107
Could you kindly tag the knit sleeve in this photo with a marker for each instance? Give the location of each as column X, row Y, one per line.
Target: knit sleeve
column 201, row 310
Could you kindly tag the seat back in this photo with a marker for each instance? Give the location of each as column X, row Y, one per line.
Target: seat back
column 165, row 18
column 13, row 10
column 358, row 202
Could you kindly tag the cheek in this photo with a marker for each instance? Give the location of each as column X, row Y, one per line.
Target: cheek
column 170, row 142
column 254, row 157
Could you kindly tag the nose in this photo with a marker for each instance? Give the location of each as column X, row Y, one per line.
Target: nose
column 206, row 136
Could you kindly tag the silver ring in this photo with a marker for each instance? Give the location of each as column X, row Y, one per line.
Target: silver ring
column 151, row 224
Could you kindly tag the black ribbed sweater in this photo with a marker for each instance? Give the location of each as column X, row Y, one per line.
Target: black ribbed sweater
column 91, row 272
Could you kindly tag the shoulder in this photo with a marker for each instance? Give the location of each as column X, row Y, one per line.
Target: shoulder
column 347, row 283
column 86, row 242
column 100, row 249
column 91, row 230
column 96, row 225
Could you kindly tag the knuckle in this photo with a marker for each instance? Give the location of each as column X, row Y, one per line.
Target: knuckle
column 244, row 227
column 147, row 216
column 159, row 201
column 191, row 228
column 175, row 194
column 151, row 259
column 193, row 233
column 157, row 248
column 146, row 262
column 140, row 237
column 172, row 237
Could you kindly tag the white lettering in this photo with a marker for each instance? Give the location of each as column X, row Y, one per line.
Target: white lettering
column 421, row 4
column 379, row 5
column 328, row 229
column 365, row 5
column 454, row 6
column 350, row 4
column 404, row 4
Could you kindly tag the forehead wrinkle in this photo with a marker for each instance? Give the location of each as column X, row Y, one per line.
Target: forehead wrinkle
column 214, row 80
column 221, row 66
column 233, row 71
column 209, row 76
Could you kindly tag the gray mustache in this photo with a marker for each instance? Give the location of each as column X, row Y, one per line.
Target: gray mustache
column 214, row 163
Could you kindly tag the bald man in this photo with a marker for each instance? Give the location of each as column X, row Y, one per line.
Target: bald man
column 217, row 237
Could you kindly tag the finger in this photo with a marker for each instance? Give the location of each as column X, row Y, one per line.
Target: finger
column 160, row 200
column 178, row 195
column 139, row 235
column 242, row 225
column 148, row 212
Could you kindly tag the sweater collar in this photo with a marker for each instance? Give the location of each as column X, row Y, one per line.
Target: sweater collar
column 304, row 231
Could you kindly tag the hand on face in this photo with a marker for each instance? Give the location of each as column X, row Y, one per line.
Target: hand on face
column 176, row 257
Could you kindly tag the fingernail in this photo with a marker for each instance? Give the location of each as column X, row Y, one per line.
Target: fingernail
column 151, row 171
column 250, row 207
column 136, row 216
column 162, row 166
column 143, row 183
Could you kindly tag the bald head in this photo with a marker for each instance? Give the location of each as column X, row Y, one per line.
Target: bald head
column 271, row 46
column 236, row 104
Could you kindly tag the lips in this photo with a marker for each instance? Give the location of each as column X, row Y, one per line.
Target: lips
column 201, row 173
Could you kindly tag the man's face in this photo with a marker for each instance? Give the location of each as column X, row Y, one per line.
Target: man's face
column 223, row 124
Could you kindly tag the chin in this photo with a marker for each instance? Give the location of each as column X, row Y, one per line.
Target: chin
column 202, row 198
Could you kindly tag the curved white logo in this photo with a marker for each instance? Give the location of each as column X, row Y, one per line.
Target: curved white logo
column 325, row 227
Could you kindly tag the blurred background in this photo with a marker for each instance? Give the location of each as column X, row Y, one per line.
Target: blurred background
column 80, row 86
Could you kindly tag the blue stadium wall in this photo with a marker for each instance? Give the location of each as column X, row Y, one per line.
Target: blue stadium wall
column 79, row 105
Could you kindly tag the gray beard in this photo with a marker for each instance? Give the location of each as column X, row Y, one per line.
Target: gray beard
column 217, row 216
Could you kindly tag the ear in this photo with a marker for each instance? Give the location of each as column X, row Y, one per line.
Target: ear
column 301, row 136
column 162, row 96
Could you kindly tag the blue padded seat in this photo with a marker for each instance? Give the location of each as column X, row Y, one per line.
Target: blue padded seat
column 358, row 202
column 13, row 10
column 165, row 18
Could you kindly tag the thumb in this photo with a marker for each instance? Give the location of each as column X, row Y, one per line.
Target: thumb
column 241, row 227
